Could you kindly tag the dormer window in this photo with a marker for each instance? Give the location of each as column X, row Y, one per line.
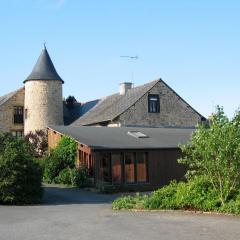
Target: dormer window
column 153, row 103
column 18, row 115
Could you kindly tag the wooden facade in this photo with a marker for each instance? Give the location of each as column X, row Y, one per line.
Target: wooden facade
column 159, row 169
column 128, row 169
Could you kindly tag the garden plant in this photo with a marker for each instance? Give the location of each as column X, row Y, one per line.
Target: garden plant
column 213, row 177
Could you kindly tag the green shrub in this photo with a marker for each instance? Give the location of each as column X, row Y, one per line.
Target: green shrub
column 52, row 168
column 164, row 198
column 80, row 177
column 233, row 206
column 41, row 161
column 64, row 177
column 214, row 152
column 197, row 193
column 66, row 151
column 124, row 202
column 129, row 202
column 60, row 158
column 20, row 174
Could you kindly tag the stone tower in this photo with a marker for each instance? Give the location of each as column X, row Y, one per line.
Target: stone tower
column 43, row 96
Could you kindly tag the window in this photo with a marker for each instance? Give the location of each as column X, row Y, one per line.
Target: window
column 18, row 115
column 26, row 113
column 142, row 167
column 105, row 167
column 153, row 103
column 17, row 133
column 130, row 167
column 116, row 167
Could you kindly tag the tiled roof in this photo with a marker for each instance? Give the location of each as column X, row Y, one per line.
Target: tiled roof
column 77, row 110
column 6, row 97
column 112, row 106
column 120, row 137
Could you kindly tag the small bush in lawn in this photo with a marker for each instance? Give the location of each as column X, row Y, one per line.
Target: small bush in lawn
column 20, row 174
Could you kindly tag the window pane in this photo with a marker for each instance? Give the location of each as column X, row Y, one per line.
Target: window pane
column 153, row 103
column 142, row 168
column 129, row 168
column 116, row 168
column 153, row 98
column 18, row 114
column 104, row 173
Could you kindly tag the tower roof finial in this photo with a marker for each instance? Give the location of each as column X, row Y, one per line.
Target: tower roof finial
column 44, row 44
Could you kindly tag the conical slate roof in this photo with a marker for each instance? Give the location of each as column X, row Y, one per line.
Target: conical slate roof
column 44, row 69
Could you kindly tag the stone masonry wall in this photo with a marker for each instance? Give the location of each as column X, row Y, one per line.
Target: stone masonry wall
column 7, row 112
column 43, row 104
column 173, row 110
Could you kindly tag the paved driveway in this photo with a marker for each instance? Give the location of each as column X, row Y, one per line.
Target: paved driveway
column 73, row 214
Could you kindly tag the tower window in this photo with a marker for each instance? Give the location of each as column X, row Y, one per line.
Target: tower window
column 18, row 115
column 153, row 103
column 26, row 113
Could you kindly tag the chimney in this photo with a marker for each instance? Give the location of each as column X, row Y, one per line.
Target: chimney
column 124, row 87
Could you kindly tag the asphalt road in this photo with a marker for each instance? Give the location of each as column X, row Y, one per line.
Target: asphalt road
column 73, row 214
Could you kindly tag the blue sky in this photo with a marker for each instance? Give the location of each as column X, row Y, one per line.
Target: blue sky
column 193, row 45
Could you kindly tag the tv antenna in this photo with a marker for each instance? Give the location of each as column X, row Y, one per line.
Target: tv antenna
column 131, row 58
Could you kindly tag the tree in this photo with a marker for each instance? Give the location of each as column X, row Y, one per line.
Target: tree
column 20, row 174
column 214, row 151
column 38, row 141
column 70, row 101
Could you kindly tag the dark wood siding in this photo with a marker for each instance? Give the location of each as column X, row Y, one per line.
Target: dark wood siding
column 162, row 168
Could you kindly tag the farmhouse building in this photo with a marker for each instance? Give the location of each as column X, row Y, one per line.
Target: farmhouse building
column 39, row 103
column 129, row 138
column 130, row 158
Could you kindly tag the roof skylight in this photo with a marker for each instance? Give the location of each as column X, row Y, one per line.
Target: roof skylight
column 137, row 134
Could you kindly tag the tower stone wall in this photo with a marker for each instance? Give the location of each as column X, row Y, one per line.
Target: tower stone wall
column 43, row 104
